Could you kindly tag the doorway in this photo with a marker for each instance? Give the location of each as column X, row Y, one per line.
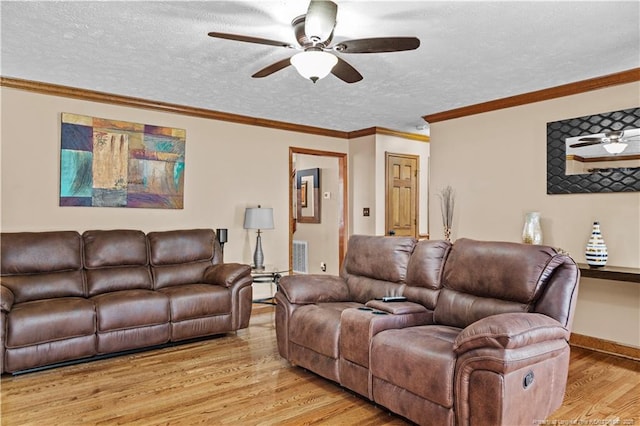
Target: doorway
column 337, row 199
column 401, row 195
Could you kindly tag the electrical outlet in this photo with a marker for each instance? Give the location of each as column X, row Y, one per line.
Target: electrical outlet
column 365, row 211
column 323, row 267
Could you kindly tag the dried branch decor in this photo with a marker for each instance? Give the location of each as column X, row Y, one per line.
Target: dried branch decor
column 447, row 203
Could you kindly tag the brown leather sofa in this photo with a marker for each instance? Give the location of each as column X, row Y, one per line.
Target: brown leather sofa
column 482, row 338
column 67, row 296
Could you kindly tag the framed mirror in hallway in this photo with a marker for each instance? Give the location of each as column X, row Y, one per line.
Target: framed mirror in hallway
column 325, row 238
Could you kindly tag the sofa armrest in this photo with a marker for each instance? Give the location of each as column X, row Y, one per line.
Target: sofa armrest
column 226, row 274
column 6, row 299
column 509, row 331
column 314, row 288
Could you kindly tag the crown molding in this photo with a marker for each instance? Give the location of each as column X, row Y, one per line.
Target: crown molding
column 623, row 77
column 384, row 131
column 128, row 101
column 596, row 83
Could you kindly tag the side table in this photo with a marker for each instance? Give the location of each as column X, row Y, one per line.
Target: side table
column 267, row 276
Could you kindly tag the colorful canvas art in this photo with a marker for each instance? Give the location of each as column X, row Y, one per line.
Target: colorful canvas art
column 109, row 163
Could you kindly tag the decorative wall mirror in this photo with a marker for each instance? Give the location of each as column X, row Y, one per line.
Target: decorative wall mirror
column 308, row 196
column 594, row 153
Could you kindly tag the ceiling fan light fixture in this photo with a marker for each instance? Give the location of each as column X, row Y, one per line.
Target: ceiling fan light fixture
column 314, row 64
column 615, row 147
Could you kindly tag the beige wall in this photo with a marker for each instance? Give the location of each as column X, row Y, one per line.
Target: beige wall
column 367, row 180
column 228, row 167
column 362, row 184
column 396, row 145
column 496, row 163
column 322, row 238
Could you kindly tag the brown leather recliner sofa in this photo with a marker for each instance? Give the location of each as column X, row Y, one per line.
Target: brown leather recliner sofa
column 482, row 338
column 67, row 296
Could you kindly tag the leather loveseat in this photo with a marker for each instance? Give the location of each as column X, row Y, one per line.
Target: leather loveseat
column 67, row 296
column 482, row 338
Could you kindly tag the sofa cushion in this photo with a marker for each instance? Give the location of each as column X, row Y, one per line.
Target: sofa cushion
column 175, row 275
column 130, row 309
column 42, row 265
column 197, row 300
column 363, row 289
column 49, row 320
column 123, row 247
column 379, row 258
column 427, row 263
column 116, row 260
column 419, row 359
column 181, row 257
column 27, row 288
column 424, row 273
column 483, row 278
column 184, row 246
column 108, row 280
column 40, row 252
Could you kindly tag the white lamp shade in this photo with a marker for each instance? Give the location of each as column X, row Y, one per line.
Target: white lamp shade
column 615, row 147
column 314, row 64
column 258, row 218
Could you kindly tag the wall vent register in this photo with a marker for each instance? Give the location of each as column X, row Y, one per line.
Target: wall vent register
column 300, row 257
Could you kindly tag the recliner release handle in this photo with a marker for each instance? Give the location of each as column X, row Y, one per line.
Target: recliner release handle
column 528, row 380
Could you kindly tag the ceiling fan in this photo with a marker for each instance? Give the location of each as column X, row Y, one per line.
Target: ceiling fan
column 314, row 33
column 614, row 141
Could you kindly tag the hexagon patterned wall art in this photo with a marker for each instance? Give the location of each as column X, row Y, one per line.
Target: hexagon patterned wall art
column 619, row 172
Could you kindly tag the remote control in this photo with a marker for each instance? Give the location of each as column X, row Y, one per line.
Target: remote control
column 394, row 299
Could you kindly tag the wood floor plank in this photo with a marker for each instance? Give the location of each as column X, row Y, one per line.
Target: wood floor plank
column 239, row 379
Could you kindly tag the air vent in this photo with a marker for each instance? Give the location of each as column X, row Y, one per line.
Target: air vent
column 300, row 257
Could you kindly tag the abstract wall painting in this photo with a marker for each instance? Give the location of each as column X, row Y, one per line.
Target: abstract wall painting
column 110, row 163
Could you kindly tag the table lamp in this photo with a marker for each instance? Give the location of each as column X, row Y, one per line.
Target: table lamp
column 258, row 218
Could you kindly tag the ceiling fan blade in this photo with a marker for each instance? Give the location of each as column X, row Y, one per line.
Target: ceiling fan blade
column 320, row 20
column 346, row 72
column 249, row 39
column 272, row 68
column 580, row 145
column 614, row 133
column 591, row 139
column 377, row 45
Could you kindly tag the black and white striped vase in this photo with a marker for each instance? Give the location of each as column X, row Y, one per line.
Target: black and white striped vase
column 596, row 252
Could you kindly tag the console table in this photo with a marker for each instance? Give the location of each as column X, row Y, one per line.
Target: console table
column 616, row 273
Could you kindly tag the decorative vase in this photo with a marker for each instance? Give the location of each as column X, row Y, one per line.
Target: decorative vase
column 596, row 252
column 532, row 231
column 447, row 233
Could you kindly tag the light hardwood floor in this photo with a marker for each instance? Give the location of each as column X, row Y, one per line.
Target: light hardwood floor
column 240, row 379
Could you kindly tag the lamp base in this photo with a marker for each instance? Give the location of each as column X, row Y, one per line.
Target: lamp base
column 258, row 256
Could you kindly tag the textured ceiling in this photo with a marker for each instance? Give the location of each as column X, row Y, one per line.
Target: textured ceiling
column 471, row 52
